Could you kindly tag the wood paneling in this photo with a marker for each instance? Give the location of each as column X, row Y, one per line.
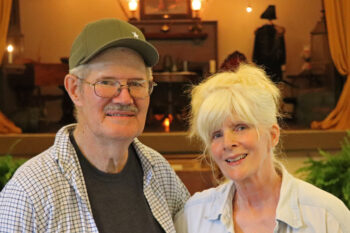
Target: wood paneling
column 177, row 145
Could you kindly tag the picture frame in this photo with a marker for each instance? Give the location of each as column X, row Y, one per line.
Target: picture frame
column 165, row 9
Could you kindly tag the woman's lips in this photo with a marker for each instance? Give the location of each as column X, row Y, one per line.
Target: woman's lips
column 236, row 158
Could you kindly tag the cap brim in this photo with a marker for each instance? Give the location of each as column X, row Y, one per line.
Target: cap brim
column 146, row 50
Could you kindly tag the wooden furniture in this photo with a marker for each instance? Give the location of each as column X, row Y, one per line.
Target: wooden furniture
column 8, row 96
column 183, row 40
column 27, row 88
column 47, row 74
column 185, row 48
column 175, row 77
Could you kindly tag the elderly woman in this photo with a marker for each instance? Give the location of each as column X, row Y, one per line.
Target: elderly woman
column 235, row 115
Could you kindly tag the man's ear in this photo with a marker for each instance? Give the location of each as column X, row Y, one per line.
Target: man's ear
column 72, row 87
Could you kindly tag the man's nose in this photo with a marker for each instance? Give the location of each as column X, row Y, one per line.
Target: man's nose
column 124, row 95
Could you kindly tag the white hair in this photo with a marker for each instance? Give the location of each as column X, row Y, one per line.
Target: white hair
column 247, row 93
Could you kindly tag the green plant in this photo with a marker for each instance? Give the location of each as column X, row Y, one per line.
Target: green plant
column 332, row 173
column 8, row 166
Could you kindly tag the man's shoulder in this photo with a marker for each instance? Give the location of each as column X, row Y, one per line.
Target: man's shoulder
column 33, row 182
column 36, row 170
column 41, row 176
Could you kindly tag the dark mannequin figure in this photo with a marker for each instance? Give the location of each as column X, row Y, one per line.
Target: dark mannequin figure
column 269, row 48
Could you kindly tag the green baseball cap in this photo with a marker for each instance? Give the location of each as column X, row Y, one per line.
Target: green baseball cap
column 106, row 33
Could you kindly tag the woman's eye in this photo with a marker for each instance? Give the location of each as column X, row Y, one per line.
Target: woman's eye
column 216, row 135
column 240, row 127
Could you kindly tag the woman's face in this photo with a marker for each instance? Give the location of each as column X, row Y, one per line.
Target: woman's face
column 240, row 152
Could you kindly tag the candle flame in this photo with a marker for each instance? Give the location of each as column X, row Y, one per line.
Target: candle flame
column 166, row 123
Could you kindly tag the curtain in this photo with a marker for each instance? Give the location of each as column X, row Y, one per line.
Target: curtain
column 5, row 12
column 6, row 126
column 338, row 26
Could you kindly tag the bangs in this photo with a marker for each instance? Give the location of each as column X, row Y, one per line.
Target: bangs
column 219, row 106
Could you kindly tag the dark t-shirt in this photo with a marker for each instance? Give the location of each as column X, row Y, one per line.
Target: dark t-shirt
column 117, row 200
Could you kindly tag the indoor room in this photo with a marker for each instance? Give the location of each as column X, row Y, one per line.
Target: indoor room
column 195, row 39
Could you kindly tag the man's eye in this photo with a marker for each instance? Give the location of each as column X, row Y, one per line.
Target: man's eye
column 106, row 83
column 137, row 84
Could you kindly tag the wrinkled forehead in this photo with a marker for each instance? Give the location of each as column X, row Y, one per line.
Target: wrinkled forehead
column 117, row 59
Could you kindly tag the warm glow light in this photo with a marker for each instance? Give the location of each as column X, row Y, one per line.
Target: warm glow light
column 132, row 5
column 249, row 9
column 196, row 5
column 158, row 117
column 166, row 123
column 10, row 48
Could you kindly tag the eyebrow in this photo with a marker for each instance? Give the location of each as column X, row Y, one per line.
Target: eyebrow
column 118, row 79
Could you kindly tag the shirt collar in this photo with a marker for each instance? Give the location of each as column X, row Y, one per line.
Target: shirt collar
column 65, row 154
column 222, row 203
column 143, row 153
column 288, row 209
column 64, row 150
column 66, row 158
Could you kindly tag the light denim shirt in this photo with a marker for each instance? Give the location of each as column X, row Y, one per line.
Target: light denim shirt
column 48, row 193
column 302, row 208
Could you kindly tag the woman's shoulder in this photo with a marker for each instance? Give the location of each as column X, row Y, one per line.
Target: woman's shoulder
column 204, row 208
column 314, row 201
column 313, row 198
column 309, row 194
column 209, row 196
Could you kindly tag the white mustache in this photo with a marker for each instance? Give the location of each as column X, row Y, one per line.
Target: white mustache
column 122, row 107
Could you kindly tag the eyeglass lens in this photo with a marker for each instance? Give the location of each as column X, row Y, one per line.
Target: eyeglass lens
column 136, row 89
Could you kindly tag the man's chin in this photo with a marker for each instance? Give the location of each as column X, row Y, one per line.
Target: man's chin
column 125, row 131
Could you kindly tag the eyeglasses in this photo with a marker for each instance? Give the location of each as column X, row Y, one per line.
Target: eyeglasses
column 112, row 88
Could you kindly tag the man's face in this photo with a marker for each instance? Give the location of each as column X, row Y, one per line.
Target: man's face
column 120, row 117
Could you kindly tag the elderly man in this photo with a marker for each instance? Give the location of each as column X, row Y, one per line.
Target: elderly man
column 97, row 177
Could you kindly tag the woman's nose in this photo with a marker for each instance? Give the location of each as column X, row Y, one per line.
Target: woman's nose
column 230, row 139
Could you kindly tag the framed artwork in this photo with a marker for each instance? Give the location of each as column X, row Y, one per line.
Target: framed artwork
column 165, row 9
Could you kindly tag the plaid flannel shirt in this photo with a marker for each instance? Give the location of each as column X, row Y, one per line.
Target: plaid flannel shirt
column 48, row 193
